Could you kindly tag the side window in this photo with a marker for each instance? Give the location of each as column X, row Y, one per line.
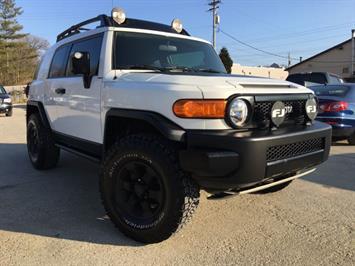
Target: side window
column 93, row 46
column 59, row 62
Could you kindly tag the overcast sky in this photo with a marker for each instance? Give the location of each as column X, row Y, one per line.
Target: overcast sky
column 301, row 27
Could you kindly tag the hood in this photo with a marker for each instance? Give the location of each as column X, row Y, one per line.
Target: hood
column 217, row 85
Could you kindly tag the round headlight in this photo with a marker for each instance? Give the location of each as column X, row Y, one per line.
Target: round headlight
column 238, row 112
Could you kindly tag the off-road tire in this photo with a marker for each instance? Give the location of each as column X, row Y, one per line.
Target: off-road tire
column 351, row 140
column 181, row 192
column 46, row 154
column 8, row 114
column 276, row 188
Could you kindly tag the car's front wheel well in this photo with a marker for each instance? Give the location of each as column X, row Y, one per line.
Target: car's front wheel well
column 30, row 110
column 118, row 127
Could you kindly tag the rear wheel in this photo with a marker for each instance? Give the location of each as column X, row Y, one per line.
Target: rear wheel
column 144, row 191
column 40, row 145
column 351, row 139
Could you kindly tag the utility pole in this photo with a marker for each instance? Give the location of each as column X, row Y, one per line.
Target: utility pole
column 214, row 7
column 289, row 58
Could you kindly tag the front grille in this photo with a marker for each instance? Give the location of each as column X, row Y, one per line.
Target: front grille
column 281, row 152
column 262, row 111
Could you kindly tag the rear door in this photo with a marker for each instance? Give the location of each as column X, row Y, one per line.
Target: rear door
column 54, row 83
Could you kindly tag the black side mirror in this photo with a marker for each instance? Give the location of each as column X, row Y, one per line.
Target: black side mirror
column 81, row 66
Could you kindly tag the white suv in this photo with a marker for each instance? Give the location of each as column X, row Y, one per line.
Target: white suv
column 156, row 108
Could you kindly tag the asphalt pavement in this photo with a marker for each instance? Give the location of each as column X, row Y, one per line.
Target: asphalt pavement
column 55, row 217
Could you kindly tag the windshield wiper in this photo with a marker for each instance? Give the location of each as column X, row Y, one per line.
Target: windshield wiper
column 182, row 68
column 144, row 67
column 207, row 70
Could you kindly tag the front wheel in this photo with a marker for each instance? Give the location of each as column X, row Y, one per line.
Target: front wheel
column 144, row 191
column 9, row 113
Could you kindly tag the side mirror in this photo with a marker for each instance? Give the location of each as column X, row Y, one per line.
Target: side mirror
column 81, row 66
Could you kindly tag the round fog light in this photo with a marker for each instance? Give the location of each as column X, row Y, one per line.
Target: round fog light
column 238, row 112
column 311, row 109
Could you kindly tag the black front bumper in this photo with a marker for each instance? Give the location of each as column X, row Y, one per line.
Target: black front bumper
column 5, row 107
column 224, row 160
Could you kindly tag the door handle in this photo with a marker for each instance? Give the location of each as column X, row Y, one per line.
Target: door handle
column 60, row 91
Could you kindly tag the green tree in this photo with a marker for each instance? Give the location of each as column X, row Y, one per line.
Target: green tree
column 226, row 59
column 10, row 40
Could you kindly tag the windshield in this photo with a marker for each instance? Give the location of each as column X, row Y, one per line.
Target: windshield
column 165, row 54
column 2, row 90
column 337, row 91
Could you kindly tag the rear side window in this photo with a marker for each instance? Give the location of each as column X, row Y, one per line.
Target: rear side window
column 59, row 62
column 93, row 47
column 337, row 91
column 317, row 78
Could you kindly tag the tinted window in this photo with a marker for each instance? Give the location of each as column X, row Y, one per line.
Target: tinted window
column 59, row 62
column 136, row 50
column 2, row 90
column 337, row 91
column 296, row 78
column 93, row 47
column 317, row 78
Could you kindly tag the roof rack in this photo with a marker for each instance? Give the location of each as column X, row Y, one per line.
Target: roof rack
column 106, row 21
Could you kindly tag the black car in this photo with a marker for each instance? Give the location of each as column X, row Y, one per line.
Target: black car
column 5, row 102
column 337, row 108
column 314, row 78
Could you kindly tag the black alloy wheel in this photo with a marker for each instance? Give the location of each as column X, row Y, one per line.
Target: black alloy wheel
column 139, row 192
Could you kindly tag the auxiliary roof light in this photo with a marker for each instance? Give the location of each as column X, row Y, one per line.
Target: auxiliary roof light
column 177, row 25
column 118, row 15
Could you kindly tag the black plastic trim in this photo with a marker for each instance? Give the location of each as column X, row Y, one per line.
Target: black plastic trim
column 166, row 127
column 41, row 111
column 79, row 146
column 251, row 167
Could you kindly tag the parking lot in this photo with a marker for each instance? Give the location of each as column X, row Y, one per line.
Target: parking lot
column 55, row 217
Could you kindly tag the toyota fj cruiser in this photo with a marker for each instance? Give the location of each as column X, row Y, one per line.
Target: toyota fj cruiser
column 157, row 109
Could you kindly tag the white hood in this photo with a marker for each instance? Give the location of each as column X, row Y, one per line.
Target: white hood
column 216, row 86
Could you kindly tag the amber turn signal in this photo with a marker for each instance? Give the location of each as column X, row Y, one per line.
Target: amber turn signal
column 200, row 108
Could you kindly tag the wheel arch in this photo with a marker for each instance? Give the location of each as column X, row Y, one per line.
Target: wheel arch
column 37, row 107
column 120, row 122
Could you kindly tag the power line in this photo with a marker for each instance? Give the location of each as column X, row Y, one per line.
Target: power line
column 277, row 55
column 253, row 47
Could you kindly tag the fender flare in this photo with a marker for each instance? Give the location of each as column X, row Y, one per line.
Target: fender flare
column 166, row 127
column 42, row 113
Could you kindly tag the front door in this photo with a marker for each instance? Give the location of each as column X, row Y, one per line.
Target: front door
column 78, row 112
